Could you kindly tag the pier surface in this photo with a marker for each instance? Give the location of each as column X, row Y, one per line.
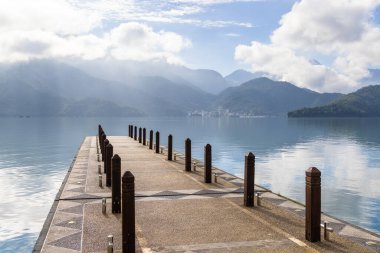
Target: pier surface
column 177, row 212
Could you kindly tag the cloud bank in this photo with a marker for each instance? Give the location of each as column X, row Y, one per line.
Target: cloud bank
column 343, row 30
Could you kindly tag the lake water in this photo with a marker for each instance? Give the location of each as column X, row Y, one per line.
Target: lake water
column 35, row 154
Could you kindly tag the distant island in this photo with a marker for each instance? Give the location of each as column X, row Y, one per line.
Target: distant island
column 364, row 102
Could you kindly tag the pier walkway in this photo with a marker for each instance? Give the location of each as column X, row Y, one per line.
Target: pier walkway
column 177, row 212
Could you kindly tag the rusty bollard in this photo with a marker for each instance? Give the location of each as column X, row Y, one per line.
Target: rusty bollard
column 188, row 154
column 157, row 142
column 170, row 147
column 109, row 154
column 116, row 184
column 135, row 137
column 128, row 213
column 105, row 143
column 249, row 179
column 208, row 163
column 313, row 205
column 151, row 139
column 140, row 135
column 144, row 136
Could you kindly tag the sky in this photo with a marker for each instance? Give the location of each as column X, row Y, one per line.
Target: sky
column 324, row 45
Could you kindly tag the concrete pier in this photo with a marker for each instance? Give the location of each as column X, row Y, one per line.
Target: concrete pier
column 177, row 212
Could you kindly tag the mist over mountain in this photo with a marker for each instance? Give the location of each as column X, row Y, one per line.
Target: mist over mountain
column 206, row 80
column 241, row 76
column 51, row 88
column 263, row 96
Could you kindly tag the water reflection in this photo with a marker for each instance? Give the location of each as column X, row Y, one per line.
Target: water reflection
column 36, row 153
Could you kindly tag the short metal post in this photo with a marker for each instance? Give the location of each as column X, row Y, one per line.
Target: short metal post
column 170, row 147
column 151, row 139
column 144, row 136
column 135, row 133
column 104, row 205
column 100, row 181
column 116, row 184
column 313, row 205
column 208, row 164
column 109, row 154
column 140, row 135
column 128, row 213
column 258, row 198
column 99, row 169
column 326, row 233
column 110, row 244
column 188, row 154
column 249, row 179
column 157, row 142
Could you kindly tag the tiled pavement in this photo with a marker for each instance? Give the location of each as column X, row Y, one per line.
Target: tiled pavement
column 176, row 212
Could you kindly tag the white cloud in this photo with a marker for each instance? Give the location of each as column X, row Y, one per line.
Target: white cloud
column 342, row 30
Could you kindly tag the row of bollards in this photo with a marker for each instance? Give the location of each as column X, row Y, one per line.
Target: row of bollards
column 123, row 193
column 313, row 183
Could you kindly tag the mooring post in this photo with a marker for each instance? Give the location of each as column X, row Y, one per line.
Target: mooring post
column 188, row 154
column 140, row 135
column 135, row 133
column 151, row 139
column 249, row 179
column 128, row 212
column 144, row 136
column 105, row 143
column 313, row 205
column 157, row 142
column 109, row 154
column 170, row 147
column 208, row 164
column 116, row 184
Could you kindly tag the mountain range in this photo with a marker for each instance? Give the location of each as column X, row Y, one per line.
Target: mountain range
column 50, row 88
column 364, row 102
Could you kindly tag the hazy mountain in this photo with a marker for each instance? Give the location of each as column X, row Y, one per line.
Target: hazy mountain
column 263, row 96
column 51, row 88
column 241, row 76
column 364, row 102
column 206, row 80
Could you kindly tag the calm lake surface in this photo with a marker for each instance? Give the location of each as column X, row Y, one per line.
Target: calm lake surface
column 35, row 154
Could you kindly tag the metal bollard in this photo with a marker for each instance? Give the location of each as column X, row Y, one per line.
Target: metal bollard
column 128, row 213
column 208, row 164
column 326, row 230
column 188, row 154
column 157, row 142
column 110, row 244
column 195, row 166
column 116, row 186
column 107, row 162
column 99, row 169
column 100, row 181
column 249, row 179
column 313, row 205
column 104, row 205
column 215, row 178
column 170, row 147
column 258, row 197
column 150, row 139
